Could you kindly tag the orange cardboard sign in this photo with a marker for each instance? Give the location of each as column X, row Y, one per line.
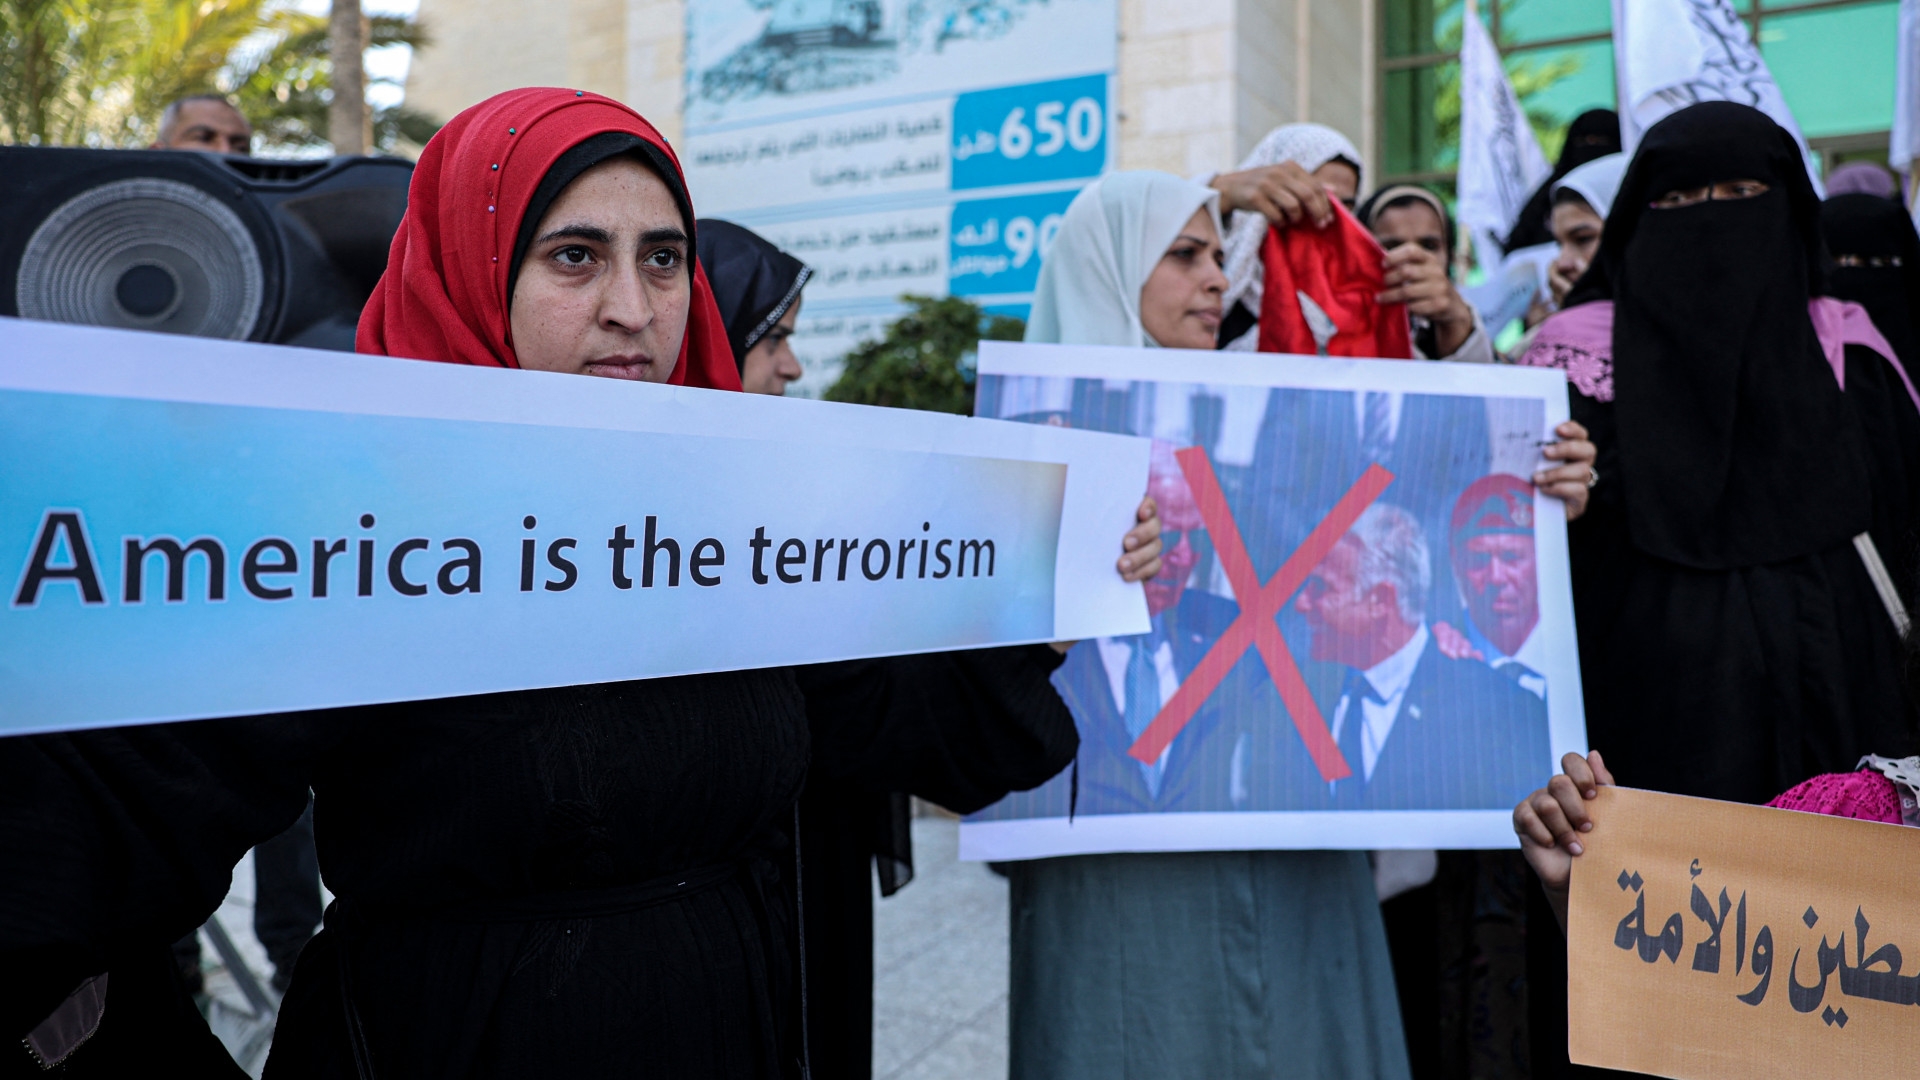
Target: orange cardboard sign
column 1709, row 939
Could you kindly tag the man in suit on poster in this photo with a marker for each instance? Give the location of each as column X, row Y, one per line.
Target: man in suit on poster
column 1420, row 730
column 1116, row 686
column 1495, row 566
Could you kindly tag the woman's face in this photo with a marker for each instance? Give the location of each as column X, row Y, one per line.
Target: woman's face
column 1577, row 229
column 770, row 365
column 1724, row 191
column 1180, row 304
column 1340, row 178
column 1415, row 223
column 605, row 286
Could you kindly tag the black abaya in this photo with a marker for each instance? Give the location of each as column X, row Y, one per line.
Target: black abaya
column 853, row 813
column 1732, row 643
column 582, row 881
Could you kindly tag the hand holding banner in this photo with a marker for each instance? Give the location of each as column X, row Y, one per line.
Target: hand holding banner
column 1710, row 940
column 201, row 528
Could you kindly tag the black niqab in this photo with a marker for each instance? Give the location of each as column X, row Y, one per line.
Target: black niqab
column 1593, row 134
column 754, row 282
column 1878, row 235
column 1737, row 446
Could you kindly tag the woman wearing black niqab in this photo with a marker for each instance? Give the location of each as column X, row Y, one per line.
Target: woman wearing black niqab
column 1593, row 134
column 1876, row 264
column 1732, row 643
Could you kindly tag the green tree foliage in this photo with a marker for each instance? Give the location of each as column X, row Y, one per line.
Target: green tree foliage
column 99, row 72
column 925, row 359
column 285, row 87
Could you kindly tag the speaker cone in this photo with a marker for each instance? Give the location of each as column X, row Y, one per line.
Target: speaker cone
column 145, row 254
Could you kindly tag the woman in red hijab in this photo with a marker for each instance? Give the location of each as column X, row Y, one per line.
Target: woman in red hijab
column 471, row 264
column 583, row 881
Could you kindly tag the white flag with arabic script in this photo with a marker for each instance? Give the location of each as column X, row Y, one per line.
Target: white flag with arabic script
column 1500, row 160
column 1669, row 54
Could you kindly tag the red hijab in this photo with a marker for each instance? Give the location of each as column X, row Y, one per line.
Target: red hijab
column 444, row 295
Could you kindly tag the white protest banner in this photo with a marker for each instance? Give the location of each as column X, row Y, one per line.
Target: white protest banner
column 1332, row 526
column 1500, row 159
column 195, row 528
column 1669, row 54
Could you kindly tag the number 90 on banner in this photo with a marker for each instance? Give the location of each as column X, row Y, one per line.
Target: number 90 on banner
column 1026, row 134
column 995, row 246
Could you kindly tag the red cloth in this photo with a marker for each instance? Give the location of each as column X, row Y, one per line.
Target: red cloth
column 444, row 295
column 1339, row 268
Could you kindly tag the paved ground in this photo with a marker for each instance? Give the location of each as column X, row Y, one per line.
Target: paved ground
column 940, row 967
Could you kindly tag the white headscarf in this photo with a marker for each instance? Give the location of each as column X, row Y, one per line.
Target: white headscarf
column 1598, row 181
column 1112, row 236
column 1306, row 145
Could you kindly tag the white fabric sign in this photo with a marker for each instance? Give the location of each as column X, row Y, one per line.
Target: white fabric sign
column 199, row 528
column 1264, row 708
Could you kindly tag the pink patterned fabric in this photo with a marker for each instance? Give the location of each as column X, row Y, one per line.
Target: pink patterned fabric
column 1841, row 323
column 1865, row 795
column 1579, row 341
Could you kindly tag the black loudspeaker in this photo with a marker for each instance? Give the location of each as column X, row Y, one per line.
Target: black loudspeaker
column 185, row 242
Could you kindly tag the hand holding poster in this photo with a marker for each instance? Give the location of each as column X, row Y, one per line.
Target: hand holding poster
column 1710, row 940
column 197, row 528
column 1363, row 634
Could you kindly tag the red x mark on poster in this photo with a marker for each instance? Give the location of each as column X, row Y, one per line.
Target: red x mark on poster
column 1254, row 626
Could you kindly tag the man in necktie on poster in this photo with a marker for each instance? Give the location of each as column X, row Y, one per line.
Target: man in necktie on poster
column 1494, row 564
column 1117, row 685
column 1409, row 719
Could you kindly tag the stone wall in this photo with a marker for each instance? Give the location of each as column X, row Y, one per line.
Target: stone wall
column 1202, row 80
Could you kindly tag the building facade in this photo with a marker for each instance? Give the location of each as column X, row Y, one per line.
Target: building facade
column 1191, row 85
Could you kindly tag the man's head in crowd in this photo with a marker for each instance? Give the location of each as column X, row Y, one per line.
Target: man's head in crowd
column 1179, row 522
column 1368, row 597
column 204, row 122
column 1493, row 559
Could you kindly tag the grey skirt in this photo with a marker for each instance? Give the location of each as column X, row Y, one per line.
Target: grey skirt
column 1215, row 965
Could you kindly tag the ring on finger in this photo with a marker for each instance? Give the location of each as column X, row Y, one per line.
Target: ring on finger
column 1593, row 477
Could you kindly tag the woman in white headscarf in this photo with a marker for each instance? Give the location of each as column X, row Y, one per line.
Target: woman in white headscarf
column 1216, row 964
column 1581, row 201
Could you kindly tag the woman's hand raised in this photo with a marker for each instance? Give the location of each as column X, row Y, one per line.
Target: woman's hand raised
column 1572, row 481
column 1284, row 194
column 1551, row 821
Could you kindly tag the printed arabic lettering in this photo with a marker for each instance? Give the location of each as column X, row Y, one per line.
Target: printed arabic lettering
column 1631, row 933
column 1861, row 981
column 1807, row 998
column 1762, row 966
column 1706, row 955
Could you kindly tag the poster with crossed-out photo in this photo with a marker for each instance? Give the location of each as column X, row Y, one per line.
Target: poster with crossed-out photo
column 1363, row 633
